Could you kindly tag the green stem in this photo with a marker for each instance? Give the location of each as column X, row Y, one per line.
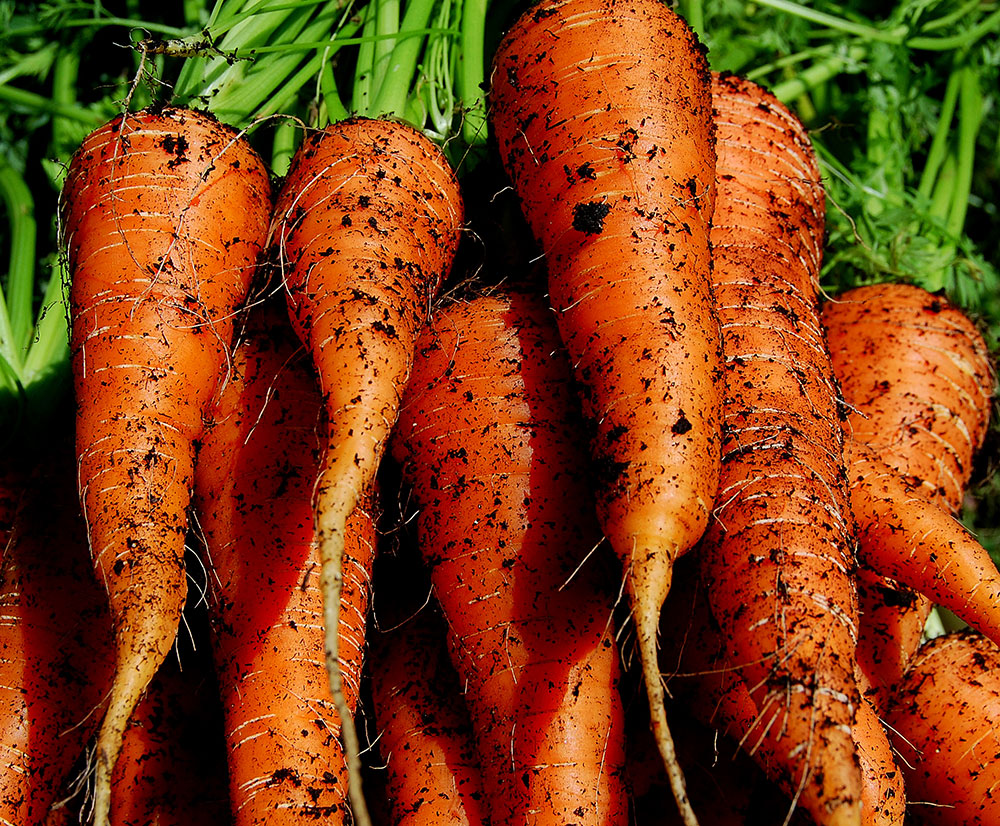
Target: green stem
column 392, row 94
column 862, row 30
column 361, row 93
column 970, row 116
column 939, row 143
column 818, row 74
column 21, row 274
column 471, row 77
column 39, row 103
column 988, row 25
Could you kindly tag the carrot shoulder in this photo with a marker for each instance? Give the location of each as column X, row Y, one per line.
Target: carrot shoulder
column 488, row 439
column 778, row 559
column 365, row 229
column 253, row 496
column 602, row 113
column 164, row 216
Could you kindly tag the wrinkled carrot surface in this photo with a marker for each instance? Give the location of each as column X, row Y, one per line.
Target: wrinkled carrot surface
column 602, row 114
column 489, row 438
column 254, row 486
column 778, row 556
column 164, row 215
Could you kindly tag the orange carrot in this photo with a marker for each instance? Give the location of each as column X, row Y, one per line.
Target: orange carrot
column 253, row 495
column 424, row 731
column 489, row 438
column 365, row 229
column 917, row 379
column 946, row 724
column 164, row 216
column 172, row 769
column 778, row 557
column 55, row 643
column 917, row 382
column 602, row 114
column 903, row 536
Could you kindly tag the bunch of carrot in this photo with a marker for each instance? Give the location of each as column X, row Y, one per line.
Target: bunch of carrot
column 675, row 422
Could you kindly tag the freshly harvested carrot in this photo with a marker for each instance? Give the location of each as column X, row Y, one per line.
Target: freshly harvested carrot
column 489, row 439
column 903, row 536
column 164, row 215
column 253, row 495
column 172, row 769
column 917, row 382
column 365, row 229
column 945, row 721
column 603, row 118
column 778, row 558
column 56, row 652
column 424, row 731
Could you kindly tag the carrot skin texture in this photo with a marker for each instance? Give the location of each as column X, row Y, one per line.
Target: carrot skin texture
column 254, row 502
column 365, row 229
column 164, row 217
column 616, row 181
column 489, row 439
column 917, row 382
column 918, row 543
column 946, row 719
column 56, row 653
column 425, row 734
column 778, row 558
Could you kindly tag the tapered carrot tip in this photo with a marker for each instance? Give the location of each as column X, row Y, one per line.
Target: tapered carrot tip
column 648, row 583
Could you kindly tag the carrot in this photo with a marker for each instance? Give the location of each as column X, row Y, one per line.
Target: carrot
column 424, row 731
column 172, row 770
column 703, row 679
column 253, row 494
column 164, row 216
column 946, row 718
column 602, row 114
column 778, row 558
column 366, row 227
column 903, row 536
column 917, row 382
column 55, row 643
column 489, row 439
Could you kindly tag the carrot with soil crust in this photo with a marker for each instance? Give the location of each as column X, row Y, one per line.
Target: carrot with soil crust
column 55, row 643
column 917, row 382
column 424, row 731
column 778, row 558
column 164, row 215
column 489, row 439
column 946, row 724
column 917, row 543
column 365, row 229
column 603, row 118
column 253, row 498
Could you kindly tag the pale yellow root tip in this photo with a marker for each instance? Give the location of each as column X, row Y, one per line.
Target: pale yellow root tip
column 331, row 530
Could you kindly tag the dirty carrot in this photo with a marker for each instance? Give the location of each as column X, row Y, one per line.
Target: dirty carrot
column 916, row 542
column 253, row 497
column 56, row 651
column 917, row 383
column 424, row 731
column 365, row 230
column 945, row 720
column 778, row 558
column 489, row 439
column 602, row 113
column 164, row 215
